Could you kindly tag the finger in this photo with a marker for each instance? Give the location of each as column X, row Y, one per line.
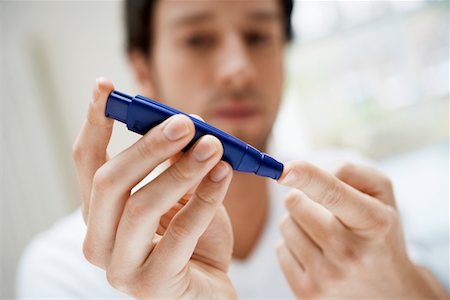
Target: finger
column 113, row 182
column 216, row 243
column 167, row 217
column 336, row 242
column 192, row 189
column 89, row 149
column 157, row 171
column 367, row 180
column 197, row 117
column 173, row 160
column 297, row 278
column 161, row 143
column 320, row 224
column 304, row 249
column 353, row 208
column 143, row 210
column 178, row 244
column 176, row 157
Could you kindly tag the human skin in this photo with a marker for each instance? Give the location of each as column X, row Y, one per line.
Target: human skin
column 166, row 240
column 223, row 61
column 173, row 237
column 342, row 237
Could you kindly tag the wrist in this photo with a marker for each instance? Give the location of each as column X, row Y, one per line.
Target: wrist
column 423, row 284
column 434, row 285
column 226, row 290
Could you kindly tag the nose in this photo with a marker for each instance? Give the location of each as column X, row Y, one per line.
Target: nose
column 235, row 69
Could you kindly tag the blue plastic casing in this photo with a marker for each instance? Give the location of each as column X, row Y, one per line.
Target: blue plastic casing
column 141, row 114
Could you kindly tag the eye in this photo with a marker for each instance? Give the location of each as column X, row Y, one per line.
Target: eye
column 256, row 38
column 200, row 41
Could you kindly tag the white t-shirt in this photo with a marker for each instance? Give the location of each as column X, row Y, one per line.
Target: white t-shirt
column 53, row 265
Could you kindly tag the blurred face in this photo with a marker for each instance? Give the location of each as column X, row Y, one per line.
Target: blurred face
column 221, row 60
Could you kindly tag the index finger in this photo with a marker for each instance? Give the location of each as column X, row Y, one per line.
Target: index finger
column 89, row 149
column 353, row 208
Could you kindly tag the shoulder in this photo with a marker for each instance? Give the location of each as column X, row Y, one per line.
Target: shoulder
column 53, row 264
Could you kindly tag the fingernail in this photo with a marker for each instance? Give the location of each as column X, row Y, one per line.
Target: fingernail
column 204, row 149
column 176, row 128
column 219, row 172
column 288, row 178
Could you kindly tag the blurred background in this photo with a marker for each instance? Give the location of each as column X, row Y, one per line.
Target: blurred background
column 369, row 76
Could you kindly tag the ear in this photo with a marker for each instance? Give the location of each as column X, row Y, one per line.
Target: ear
column 142, row 71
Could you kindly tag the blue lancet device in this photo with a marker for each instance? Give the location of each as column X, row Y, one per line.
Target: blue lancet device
column 140, row 114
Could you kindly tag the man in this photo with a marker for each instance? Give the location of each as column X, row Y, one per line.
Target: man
column 176, row 235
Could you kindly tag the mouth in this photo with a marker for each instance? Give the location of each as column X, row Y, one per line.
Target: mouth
column 237, row 112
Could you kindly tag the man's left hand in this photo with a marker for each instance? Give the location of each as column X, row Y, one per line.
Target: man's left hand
column 342, row 237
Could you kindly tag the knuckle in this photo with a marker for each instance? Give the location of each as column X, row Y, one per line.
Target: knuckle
column 178, row 229
column 306, row 172
column 348, row 254
column 85, row 212
column 307, row 288
column 386, row 182
column 117, row 279
column 77, row 151
column 179, row 173
column 284, row 222
column 88, row 251
column 83, row 153
column 385, row 222
column 324, row 234
column 134, row 210
column 91, row 253
column 146, row 146
column 206, row 198
column 292, row 193
column 279, row 248
column 103, row 179
column 292, row 199
column 331, row 196
column 302, row 171
column 329, row 273
column 345, row 169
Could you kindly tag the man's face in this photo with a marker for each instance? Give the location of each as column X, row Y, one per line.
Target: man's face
column 221, row 60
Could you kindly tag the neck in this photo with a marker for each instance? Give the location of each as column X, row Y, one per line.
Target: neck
column 247, row 204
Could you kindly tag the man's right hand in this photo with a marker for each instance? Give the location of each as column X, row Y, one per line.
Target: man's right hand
column 172, row 238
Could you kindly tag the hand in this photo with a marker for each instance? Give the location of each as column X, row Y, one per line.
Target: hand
column 172, row 238
column 342, row 237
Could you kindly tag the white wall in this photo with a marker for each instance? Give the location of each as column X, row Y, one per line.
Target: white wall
column 51, row 54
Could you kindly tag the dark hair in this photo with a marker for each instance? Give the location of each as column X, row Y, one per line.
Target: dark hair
column 138, row 14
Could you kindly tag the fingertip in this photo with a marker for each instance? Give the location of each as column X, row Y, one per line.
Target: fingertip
column 212, row 142
column 279, row 246
column 188, row 121
column 96, row 111
column 296, row 172
column 285, row 176
column 229, row 168
column 102, row 87
column 197, row 117
column 291, row 199
column 103, row 84
column 217, row 143
column 220, row 171
column 176, row 127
